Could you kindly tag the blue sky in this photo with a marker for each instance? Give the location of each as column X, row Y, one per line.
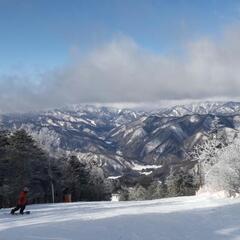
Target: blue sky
column 40, row 34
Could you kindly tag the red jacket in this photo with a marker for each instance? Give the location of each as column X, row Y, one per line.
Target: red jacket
column 22, row 200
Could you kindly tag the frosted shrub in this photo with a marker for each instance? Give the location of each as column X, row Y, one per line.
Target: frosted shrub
column 206, row 155
column 225, row 173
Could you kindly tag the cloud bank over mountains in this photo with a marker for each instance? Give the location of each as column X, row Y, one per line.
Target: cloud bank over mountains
column 121, row 71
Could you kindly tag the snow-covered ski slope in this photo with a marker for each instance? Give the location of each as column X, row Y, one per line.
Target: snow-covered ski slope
column 183, row 218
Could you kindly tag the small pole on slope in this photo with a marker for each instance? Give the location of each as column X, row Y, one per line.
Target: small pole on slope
column 52, row 188
column 51, row 179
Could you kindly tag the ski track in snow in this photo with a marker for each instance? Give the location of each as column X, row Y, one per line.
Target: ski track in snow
column 183, row 218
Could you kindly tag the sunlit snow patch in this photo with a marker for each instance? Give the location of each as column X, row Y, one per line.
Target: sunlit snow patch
column 145, row 169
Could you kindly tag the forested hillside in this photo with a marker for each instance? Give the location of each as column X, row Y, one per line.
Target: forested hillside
column 24, row 163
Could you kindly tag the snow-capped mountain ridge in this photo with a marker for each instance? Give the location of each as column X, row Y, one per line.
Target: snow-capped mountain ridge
column 116, row 138
column 218, row 108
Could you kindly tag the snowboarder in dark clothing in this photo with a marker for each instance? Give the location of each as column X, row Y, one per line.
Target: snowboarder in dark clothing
column 22, row 201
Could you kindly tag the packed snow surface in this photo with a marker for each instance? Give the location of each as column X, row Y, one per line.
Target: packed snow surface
column 183, row 218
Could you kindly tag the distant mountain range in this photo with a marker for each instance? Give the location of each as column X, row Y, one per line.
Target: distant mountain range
column 217, row 108
column 125, row 140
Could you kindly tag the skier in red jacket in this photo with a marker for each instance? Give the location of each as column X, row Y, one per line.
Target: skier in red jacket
column 22, row 201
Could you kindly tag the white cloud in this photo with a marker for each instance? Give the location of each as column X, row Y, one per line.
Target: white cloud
column 122, row 71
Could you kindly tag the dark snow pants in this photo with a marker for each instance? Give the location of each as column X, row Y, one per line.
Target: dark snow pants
column 21, row 207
